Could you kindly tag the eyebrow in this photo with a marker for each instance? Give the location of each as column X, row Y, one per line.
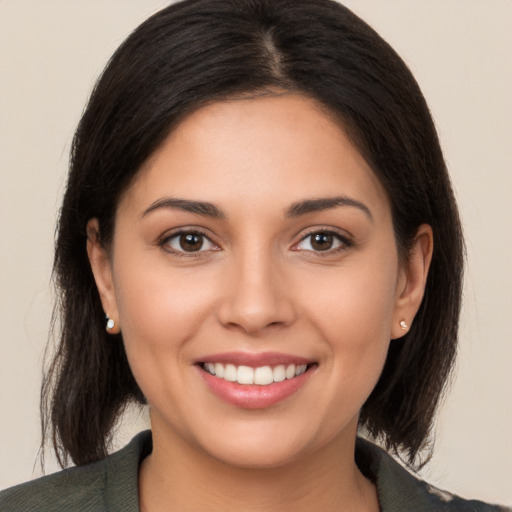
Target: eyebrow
column 198, row 207
column 295, row 210
column 325, row 203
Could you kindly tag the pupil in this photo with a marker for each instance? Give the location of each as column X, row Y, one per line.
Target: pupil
column 191, row 242
column 322, row 241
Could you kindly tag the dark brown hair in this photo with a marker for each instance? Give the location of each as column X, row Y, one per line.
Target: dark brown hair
column 198, row 51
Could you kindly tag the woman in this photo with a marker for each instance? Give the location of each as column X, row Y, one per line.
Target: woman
column 259, row 213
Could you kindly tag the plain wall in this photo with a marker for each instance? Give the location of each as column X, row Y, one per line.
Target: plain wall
column 460, row 51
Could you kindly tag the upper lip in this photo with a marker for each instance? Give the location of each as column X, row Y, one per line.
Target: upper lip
column 254, row 360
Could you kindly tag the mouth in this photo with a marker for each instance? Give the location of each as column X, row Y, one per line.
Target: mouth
column 259, row 375
column 255, row 381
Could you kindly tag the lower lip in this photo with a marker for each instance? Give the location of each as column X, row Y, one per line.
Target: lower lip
column 252, row 396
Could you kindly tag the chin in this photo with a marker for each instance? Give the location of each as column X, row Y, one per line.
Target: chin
column 270, row 443
column 257, row 456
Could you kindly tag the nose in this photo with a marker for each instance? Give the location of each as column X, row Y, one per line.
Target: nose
column 256, row 296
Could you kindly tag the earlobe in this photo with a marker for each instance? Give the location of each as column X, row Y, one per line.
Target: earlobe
column 412, row 282
column 102, row 271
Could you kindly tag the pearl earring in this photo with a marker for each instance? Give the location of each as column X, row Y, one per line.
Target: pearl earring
column 110, row 323
column 403, row 325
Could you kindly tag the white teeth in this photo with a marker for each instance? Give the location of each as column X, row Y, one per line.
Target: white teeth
column 290, row 371
column 279, row 373
column 245, row 375
column 300, row 369
column 219, row 370
column 230, row 372
column 262, row 375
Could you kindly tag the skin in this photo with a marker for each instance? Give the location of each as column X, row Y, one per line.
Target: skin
column 258, row 284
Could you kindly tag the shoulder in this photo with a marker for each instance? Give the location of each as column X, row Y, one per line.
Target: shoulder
column 400, row 490
column 110, row 484
column 71, row 489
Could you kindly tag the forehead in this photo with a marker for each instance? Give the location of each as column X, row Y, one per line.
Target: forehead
column 273, row 148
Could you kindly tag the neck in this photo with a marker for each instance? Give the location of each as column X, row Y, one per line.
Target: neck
column 178, row 477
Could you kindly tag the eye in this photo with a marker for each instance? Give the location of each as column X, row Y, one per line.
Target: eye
column 322, row 241
column 189, row 242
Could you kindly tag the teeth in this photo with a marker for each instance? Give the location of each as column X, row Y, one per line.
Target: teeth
column 230, row 372
column 300, row 369
column 290, row 371
column 219, row 370
column 279, row 373
column 262, row 375
column 245, row 375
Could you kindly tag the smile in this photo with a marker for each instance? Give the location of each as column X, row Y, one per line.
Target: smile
column 255, row 381
column 260, row 376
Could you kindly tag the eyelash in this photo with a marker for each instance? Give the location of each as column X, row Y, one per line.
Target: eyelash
column 164, row 242
column 343, row 240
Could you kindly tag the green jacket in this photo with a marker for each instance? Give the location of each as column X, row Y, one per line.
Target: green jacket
column 111, row 485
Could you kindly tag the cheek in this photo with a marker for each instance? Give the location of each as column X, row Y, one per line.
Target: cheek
column 357, row 340
column 159, row 311
column 357, row 302
column 353, row 310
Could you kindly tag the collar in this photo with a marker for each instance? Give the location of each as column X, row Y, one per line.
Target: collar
column 397, row 489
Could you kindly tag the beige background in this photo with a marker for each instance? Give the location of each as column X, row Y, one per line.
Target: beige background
column 461, row 53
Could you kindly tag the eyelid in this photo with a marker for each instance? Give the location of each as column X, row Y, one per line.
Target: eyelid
column 163, row 241
column 341, row 236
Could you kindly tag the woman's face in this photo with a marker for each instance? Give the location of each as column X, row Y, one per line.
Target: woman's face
column 257, row 245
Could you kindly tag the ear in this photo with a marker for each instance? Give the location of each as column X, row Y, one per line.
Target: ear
column 102, row 270
column 412, row 281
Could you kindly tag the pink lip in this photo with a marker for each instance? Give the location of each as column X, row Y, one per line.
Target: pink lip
column 254, row 360
column 254, row 396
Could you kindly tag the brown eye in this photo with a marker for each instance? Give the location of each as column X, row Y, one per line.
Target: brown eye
column 189, row 242
column 322, row 241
